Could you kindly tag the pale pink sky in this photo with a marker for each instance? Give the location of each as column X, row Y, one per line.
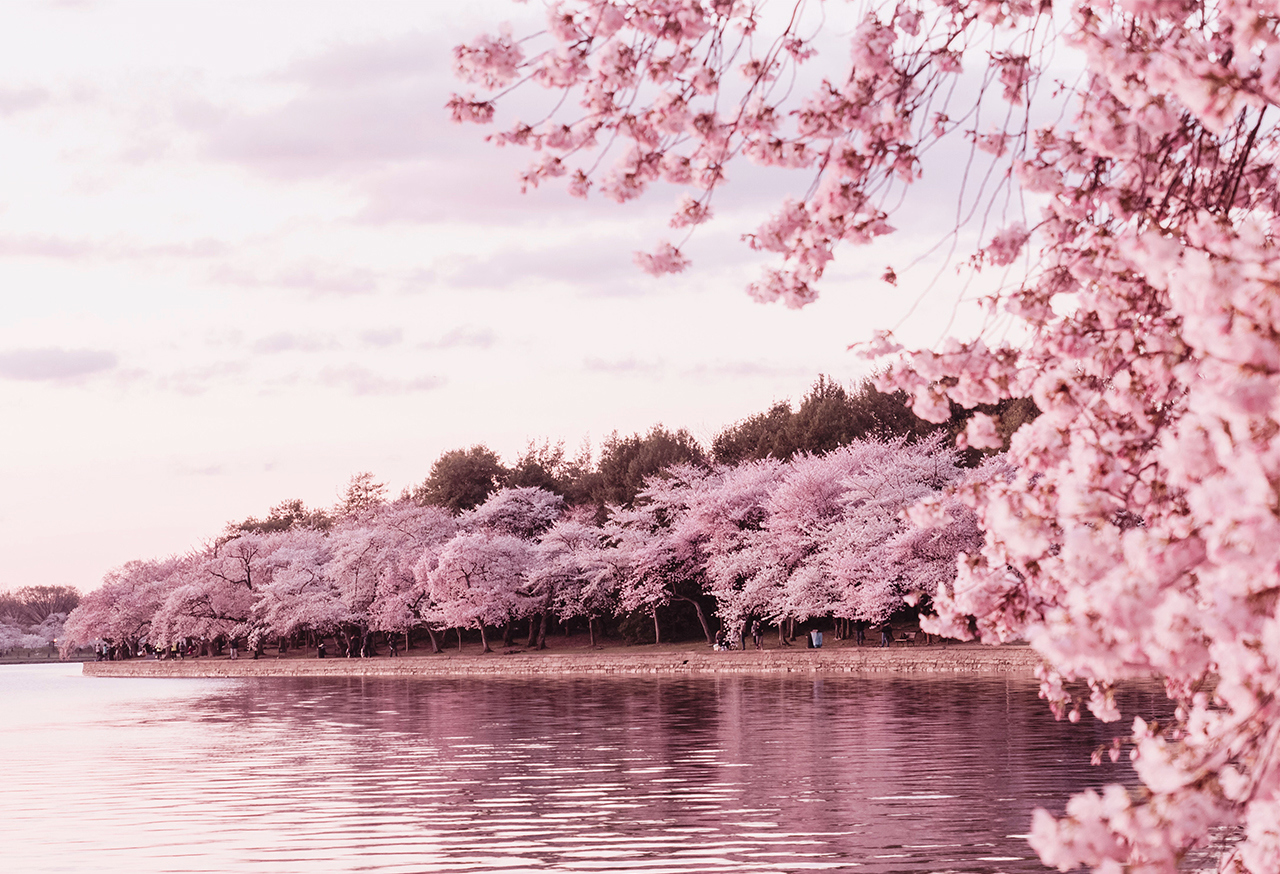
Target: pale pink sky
column 244, row 255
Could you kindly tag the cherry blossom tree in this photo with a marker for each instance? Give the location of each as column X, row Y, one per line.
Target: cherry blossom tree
column 876, row 556
column 217, row 592
column 373, row 568
column 479, row 579
column 121, row 610
column 302, row 594
column 658, row 567
column 575, row 574
column 715, row 520
column 524, row 512
column 1136, row 533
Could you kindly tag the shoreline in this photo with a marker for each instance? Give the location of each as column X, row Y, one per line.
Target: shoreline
column 1017, row 660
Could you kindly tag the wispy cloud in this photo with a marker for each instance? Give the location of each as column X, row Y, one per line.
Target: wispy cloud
column 55, row 364
column 15, row 100
column 749, row 370
column 363, row 381
column 288, row 342
column 381, row 338
column 624, row 366
column 317, row 279
column 462, row 337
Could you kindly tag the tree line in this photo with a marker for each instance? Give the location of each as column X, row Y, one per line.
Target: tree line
column 790, row 516
column 33, row 616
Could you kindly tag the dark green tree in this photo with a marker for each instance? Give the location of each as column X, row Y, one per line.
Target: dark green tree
column 625, row 462
column 829, row 416
column 461, row 479
column 282, row 517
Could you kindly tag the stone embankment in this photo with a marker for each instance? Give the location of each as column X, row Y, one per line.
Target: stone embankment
column 935, row 660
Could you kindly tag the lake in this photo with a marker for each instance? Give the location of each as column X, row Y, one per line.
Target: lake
column 647, row 775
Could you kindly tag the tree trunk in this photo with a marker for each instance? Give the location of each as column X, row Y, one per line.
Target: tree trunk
column 533, row 630
column 542, row 631
column 591, row 630
column 702, row 618
column 484, row 640
column 435, row 642
column 459, row 638
column 508, row 633
column 657, row 632
column 782, row 633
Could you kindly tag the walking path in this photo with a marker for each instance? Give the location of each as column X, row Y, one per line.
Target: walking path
column 937, row 659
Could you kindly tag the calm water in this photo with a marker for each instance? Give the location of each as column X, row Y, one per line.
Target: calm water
column 429, row 775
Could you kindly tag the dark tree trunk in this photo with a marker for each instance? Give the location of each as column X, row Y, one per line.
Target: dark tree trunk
column 508, row 633
column 459, row 639
column 657, row 632
column 542, row 631
column 533, row 630
column 702, row 618
column 591, row 630
column 435, row 640
column 484, row 640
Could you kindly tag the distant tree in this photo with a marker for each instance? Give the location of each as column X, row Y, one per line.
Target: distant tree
column 121, row 610
column 282, row 517
column 764, row 435
column 521, row 512
column 363, row 496
column 574, row 574
column 481, row 579
column 627, row 462
column 31, row 605
column 829, row 416
column 219, row 590
column 461, row 479
column 541, row 465
column 302, row 594
column 658, row 566
column 401, row 534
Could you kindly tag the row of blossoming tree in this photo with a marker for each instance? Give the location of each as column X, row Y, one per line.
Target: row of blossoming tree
column 781, row 541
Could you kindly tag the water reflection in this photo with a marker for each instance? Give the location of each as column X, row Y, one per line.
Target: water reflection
column 592, row 774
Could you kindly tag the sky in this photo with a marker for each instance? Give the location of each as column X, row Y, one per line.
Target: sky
column 244, row 255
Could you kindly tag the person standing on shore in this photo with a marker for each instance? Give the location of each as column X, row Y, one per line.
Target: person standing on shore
column 756, row 637
column 320, row 650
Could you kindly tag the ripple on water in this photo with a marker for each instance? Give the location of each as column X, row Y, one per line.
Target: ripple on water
column 647, row 775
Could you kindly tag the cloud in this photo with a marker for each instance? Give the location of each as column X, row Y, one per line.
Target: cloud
column 624, row 366
column 287, row 342
column 462, row 337
column 44, row 247
column 319, row 279
column 15, row 100
column 353, row 65
column 359, row 106
column 198, row 380
column 603, row 265
column 381, row 338
column 750, row 370
column 54, row 364
column 362, row 381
